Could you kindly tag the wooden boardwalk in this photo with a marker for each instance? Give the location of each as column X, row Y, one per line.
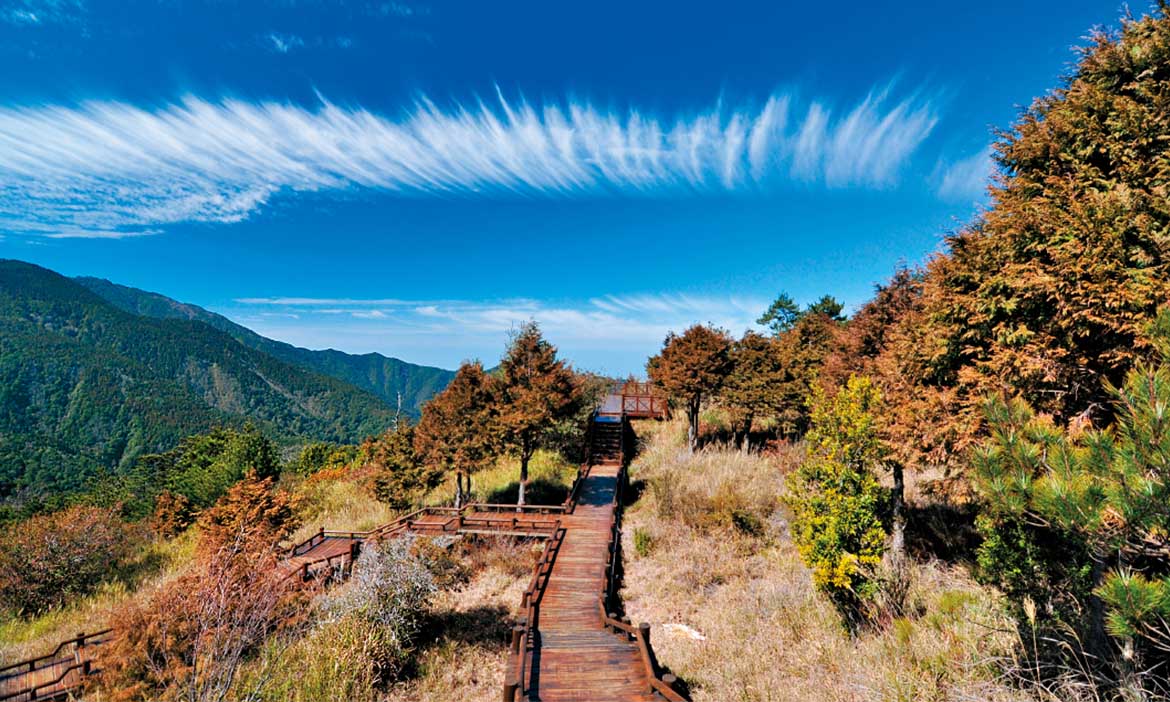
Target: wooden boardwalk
column 575, row 659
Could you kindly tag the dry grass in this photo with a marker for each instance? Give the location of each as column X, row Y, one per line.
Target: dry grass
column 735, row 613
column 340, row 505
column 463, row 653
column 547, row 468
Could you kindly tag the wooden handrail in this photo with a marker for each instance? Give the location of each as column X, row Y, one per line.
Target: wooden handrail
column 31, row 692
column 530, row 603
column 30, row 663
column 660, row 683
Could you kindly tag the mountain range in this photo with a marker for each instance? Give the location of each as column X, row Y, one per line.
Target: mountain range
column 94, row 374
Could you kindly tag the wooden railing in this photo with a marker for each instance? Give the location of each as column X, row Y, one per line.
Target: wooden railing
column 523, row 633
column 58, row 671
column 70, row 670
column 643, row 400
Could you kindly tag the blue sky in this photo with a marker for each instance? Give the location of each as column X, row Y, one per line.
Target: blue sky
column 416, row 178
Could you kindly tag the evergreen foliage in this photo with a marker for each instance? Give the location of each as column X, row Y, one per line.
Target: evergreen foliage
column 781, row 315
column 1076, row 520
column 533, row 390
column 199, row 471
column 692, row 366
column 841, row 514
column 399, row 477
column 86, row 387
column 759, row 385
column 392, row 380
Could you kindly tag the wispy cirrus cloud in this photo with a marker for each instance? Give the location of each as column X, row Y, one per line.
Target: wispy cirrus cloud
column 112, row 166
column 613, row 333
column 283, row 43
column 967, row 178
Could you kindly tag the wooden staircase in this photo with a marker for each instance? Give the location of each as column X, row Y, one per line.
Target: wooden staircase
column 605, row 440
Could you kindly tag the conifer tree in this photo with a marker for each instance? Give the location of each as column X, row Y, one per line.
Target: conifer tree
column 1046, row 294
column 781, row 315
column 692, row 366
column 1075, row 520
column 534, row 390
column 757, row 387
column 457, row 430
column 841, row 512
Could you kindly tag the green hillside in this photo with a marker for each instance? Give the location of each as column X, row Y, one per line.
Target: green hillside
column 384, row 376
column 85, row 385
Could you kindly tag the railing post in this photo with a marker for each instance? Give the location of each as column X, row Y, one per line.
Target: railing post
column 510, row 688
column 517, row 632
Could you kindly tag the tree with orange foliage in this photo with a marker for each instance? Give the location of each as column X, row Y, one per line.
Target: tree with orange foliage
column 534, row 390
column 189, row 640
column 757, row 387
column 172, row 514
column 457, row 429
column 692, row 366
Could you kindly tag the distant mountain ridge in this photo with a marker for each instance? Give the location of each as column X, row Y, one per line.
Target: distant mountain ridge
column 88, row 384
column 384, row 376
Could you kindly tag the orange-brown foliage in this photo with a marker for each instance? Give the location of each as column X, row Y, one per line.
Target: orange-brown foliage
column 48, row 559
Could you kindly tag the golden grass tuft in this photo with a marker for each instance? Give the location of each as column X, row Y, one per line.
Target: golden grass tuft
column 340, row 505
column 546, row 467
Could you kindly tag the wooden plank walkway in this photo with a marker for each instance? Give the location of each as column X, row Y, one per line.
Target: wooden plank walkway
column 574, row 658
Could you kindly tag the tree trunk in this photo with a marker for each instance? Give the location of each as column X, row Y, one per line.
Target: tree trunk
column 469, row 487
column 458, row 489
column 693, row 424
column 525, row 454
column 745, row 439
column 898, row 537
column 1098, row 643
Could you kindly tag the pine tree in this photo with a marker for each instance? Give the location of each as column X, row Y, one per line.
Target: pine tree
column 535, row 390
column 1076, row 520
column 692, row 366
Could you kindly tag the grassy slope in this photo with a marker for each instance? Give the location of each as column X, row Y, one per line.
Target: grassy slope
column 155, row 564
column 735, row 614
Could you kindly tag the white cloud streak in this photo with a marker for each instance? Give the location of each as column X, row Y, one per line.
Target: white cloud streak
column 611, row 333
column 968, row 178
column 111, row 166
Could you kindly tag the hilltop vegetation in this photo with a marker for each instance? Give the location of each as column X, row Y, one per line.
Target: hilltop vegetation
column 388, row 378
column 960, row 492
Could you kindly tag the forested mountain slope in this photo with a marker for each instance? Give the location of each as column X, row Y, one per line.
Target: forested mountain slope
column 85, row 385
column 384, row 376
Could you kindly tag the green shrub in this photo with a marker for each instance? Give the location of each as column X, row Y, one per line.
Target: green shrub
column 840, row 511
column 643, row 542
